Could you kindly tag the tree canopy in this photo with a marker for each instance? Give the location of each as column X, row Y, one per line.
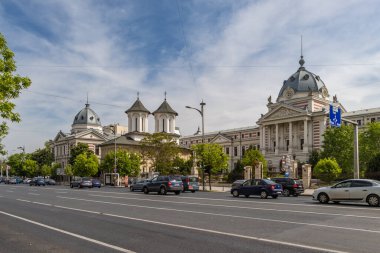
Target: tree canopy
column 80, row 148
column 327, row 169
column 126, row 163
column 43, row 156
column 85, row 165
column 369, row 144
column 338, row 144
column 160, row 149
column 11, row 85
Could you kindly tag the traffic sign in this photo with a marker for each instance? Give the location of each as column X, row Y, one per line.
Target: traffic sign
column 335, row 116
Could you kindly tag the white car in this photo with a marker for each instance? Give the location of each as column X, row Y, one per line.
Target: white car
column 362, row 190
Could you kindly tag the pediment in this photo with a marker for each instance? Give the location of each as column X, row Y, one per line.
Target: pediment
column 60, row 135
column 90, row 134
column 219, row 138
column 283, row 112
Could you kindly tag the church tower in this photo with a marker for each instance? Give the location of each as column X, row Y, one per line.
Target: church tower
column 164, row 118
column 137, row 119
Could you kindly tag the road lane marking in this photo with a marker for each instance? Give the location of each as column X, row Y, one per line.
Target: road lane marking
column 69, row 233
column 304, row 246
column 8, row 191
column 32, row 193
column 227, row 215
column 61, row 192
column 239, row 207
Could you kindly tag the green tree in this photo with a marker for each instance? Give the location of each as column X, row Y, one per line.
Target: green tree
column 369, row 144
column 237, row 173
column 339, row 144
column 43, row 156
column 69, row 170
column 182, row 166
column 29, row 168
column 314, row 157
column 11, row 85
column 81, row 148
column 126, row 163
column 160, row 149
column 373, row 170
column 45, row 170
column 85, row 165
column 15, row 161
column 212, row 157
column 327, row 170
column 253, row 157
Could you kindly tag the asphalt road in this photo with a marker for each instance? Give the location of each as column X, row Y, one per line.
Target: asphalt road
column 60, row 219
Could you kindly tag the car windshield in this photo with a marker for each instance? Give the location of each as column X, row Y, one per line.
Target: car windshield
column 175, row 178
column 86, row 179
column 193, row 179
column 268, row 181
column 376, row 182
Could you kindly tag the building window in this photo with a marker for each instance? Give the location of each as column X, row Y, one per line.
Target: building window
column 235, row 151
column 227, row 150
column 243, row 150
column 359, row 122
column 136, row 129
column 287, row 145
column 209, row 140
column 97, row 150
column 250, row 135
column 302, row 142
column 258, row 147
column 373, row 120
column 274, row 146
column 258, row 133
column 163, row 125
column 235, row 136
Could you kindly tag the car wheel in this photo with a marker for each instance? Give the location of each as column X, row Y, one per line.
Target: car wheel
column 71, row 186
column 162, row 190
column 183, row 191
column 336, row 202
column 145, row 190
column 193, row 191
column 274, row 196
column 263, row 195
column 286, row 193
column 177, row 192
column 295, row 194
column 323, row 198
column 373, row 200
column 131, row 189
column 247, row 196
column 235, row 193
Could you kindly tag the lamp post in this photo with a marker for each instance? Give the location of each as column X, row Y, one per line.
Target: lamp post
column 201, row 111
column 23, row 155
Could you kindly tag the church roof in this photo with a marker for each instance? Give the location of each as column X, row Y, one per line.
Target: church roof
column 87, row 116
column 302, row 81
column 165, row 108
column 137, row 107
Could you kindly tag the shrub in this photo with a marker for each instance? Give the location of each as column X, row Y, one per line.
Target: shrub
column 327, row 170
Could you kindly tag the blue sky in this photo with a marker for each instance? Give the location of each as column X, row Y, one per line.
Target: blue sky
column 231, row 54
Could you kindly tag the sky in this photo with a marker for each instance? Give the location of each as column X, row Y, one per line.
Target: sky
column 232, row 55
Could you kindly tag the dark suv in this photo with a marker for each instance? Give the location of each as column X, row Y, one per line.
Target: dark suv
column 260, row 187
column 164, row 184
column 290, row 186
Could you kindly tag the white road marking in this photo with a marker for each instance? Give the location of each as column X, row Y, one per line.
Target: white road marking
column 32, row 193
column 239, row 207
column 61, row 192
column 8, row 191
column 69, row 233
column 227, row 215
column 304, row 246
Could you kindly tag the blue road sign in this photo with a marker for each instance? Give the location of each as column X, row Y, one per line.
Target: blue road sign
column 335, row 116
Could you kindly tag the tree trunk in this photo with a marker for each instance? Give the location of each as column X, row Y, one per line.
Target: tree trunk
column 209, row 179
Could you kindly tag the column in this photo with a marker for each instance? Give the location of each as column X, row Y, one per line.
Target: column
column 305, row 139
column 290, row 138
column 262, row 139
column 276, row 148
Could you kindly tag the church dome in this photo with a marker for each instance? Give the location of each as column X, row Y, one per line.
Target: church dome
column 302, row 81
column 87, row 117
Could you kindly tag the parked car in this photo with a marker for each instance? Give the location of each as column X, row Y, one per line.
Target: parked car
column 290, row 186
column 259, row 187
column 26, row 181
column 361, row 190
column 50, row 181
column 15, row 180
column 81, row 182
column 138, row 185
column 2, row 179
column 37, row 181
column 164, row 184
column 190, row 183
column 96, row 183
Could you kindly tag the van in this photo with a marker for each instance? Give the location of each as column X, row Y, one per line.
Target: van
column 190, row 183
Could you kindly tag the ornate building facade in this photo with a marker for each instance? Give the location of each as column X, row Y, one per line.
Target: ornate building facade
column 293, row 125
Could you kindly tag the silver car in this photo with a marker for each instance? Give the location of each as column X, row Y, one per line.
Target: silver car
column 362, row 190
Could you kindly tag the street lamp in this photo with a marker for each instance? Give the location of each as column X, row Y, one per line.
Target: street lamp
column 202, row 104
